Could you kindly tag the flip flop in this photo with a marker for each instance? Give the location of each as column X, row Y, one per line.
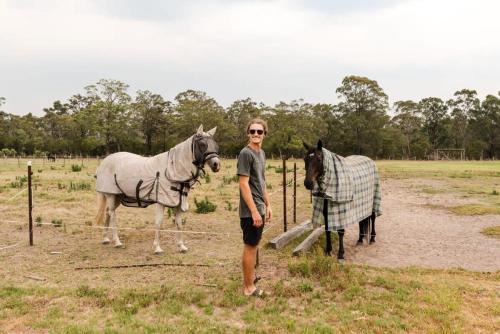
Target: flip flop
column 257, row 293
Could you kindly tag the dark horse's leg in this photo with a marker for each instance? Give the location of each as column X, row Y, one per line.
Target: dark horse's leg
column 340, row 255
column 328, row 248
column 372, row 237
column 362, row 230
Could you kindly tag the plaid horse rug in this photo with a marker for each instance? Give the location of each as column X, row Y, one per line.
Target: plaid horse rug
column 352, row 187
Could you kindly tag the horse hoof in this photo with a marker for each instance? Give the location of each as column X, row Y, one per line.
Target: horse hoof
column 340, row 261
column 372, row 241
column 359, row 243
column 105, row 242
column 327, row 253
column 159, row 251
column 120, row 245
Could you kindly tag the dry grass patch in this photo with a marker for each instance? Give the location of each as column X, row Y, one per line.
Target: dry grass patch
column 493, row 231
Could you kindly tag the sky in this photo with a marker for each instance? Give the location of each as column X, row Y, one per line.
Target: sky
column 267, row 50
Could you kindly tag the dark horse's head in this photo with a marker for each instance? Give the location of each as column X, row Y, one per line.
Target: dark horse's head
column 314, row 164
column 206, row 149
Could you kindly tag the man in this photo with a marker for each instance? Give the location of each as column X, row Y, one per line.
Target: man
column 255, row 207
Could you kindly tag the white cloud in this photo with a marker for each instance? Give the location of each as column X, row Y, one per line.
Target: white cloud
column 269, row 50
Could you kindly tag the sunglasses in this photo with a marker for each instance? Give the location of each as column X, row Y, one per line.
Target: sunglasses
column 253, row 131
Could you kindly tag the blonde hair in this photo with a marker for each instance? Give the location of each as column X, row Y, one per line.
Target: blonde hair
column 257, row 121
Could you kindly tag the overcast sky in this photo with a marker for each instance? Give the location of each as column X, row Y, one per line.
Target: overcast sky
column 270, row 51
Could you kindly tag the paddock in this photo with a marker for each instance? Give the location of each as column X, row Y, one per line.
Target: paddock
column 421, row 226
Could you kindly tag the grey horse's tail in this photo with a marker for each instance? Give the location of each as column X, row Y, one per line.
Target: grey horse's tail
column 101, row 202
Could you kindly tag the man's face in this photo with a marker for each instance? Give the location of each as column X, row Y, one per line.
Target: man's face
column 256, row 133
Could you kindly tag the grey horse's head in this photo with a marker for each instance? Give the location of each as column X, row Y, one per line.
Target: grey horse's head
column 206, row 149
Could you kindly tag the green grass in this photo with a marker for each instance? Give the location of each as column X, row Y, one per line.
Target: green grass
column 308, row 294
column 450, row 169
column 331, row 297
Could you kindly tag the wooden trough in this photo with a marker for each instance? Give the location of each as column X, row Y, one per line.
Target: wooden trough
column 281, row 240
column 308, row 242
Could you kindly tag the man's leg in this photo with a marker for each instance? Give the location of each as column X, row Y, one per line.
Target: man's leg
column 248, row 262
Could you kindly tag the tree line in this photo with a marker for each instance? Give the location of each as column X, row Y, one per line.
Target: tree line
column 106, row 119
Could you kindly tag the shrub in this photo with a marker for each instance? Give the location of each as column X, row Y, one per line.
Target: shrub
column 204, row 206
column 300, row 268
column 79, row 186
column 38, row 220
column 494, row 192
column 76, row 168
column 57, row 222
column 207, row 178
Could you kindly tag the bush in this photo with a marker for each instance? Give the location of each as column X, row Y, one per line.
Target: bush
column 76, row 168
column 79, row 186
column 207, row 178
column 57, row 222
column 204, row 206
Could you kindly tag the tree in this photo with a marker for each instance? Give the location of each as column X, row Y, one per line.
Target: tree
column 408, row 120
column 486, row 123
column 193, row 108
column 363, row 108
column 464, row 104
column 111, row 107
column 149, row 112
column 436, row 121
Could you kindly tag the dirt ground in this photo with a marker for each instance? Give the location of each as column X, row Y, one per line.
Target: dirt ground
column 409, row 233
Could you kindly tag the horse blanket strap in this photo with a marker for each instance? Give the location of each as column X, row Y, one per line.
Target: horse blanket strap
column 138, row 201
column 351, row 186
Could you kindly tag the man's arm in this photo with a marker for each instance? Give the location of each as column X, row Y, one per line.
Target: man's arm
column 269, row 211
column 247, row 197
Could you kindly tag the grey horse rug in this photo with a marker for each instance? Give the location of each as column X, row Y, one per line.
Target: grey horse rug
column 141, row 181
column 352, row 187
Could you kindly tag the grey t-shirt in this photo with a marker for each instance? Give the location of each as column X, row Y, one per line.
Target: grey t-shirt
column 252, row 164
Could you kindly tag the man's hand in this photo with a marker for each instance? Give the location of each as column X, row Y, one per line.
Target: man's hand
column 257, row 219
column 269, row 213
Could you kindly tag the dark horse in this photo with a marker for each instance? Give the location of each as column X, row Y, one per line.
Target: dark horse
column 51, row 157
column 315, row 181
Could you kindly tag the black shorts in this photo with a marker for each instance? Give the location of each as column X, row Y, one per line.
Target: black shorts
column 251, row 234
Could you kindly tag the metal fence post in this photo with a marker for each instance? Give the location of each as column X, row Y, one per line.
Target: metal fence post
column 30, row 204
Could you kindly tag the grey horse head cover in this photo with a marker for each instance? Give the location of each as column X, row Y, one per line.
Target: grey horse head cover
column 337, row 181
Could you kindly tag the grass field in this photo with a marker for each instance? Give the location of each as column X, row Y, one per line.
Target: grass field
column 309, row 294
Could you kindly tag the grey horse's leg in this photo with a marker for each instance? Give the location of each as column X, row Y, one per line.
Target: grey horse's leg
column 111, row 205
column 159, row 215
column 178, row 235
column 105, row 231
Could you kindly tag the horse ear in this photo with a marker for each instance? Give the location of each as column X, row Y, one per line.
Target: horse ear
column 320, row 145
column 212, row 131
column 200, row 130
column 306, row 146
